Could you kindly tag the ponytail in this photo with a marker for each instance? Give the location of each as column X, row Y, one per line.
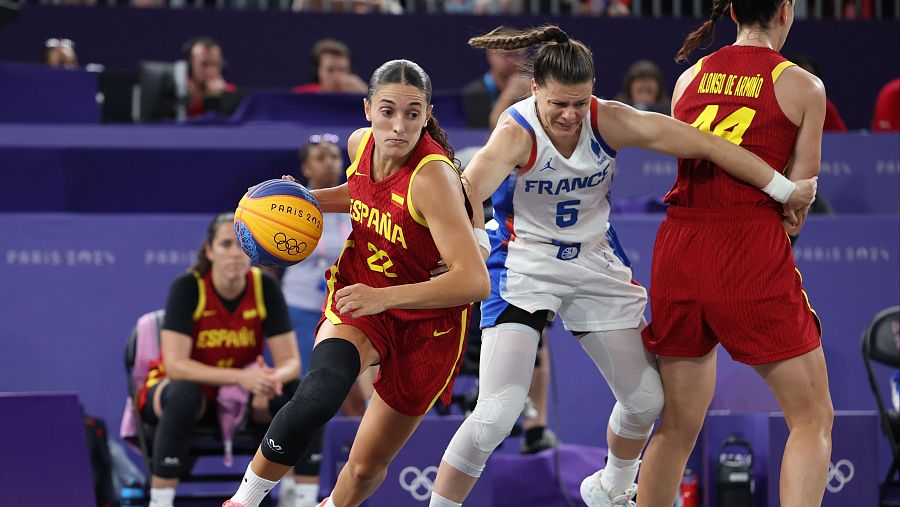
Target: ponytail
column 704, row 33
column 440, row 136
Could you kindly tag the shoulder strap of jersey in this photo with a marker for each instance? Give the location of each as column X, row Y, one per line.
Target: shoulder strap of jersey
column 697, row 66
column 516, row 115
column 781, row 67
column 409, row 200
column 359, row 151
column 256, row 276
column 595, row 121
column 201, row 299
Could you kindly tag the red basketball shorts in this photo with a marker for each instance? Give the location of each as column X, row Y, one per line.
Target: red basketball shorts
column 728, row 276
column 420, row 358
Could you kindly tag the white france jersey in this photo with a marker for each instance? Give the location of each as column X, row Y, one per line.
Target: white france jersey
column 552, row 247
column 554, row 198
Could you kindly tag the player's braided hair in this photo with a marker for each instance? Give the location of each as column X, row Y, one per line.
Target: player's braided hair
column 748, row 13
column 559, row 57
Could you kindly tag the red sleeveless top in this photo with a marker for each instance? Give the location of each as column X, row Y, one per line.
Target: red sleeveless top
column 390, row 243
column 732, row 95
column 221, row 338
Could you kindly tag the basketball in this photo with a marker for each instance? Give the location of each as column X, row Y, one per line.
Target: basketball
column 278, row 223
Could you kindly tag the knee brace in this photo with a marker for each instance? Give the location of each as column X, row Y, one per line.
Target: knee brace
column 633, row 418
column 633, row 378
column 333, row 368
column 312, row 459
column 494, row 416
column 181, row 404
column 507, row 356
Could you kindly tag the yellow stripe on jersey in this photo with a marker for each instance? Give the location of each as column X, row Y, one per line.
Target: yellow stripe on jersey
column 258, row 291
column 201, row 299
column 397, row 198
column 698, row 66
column 776, row 72
column 409, row 200
column 806, row 297
column 329, row 298
column 462, row 340
column 359, row 151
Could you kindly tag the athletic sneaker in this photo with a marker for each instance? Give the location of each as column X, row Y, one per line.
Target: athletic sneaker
column 594, row 495
column 324, row 502
column 232, row 503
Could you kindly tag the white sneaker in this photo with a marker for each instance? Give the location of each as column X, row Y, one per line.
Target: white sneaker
column 595, row 495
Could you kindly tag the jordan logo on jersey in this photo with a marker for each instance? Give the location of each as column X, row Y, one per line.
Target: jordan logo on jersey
column 548, row 166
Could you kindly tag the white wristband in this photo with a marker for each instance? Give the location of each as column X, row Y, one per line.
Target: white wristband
column 780, row 188
column 481, row 236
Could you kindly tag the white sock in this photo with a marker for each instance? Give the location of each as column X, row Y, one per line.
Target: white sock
column 619, row 474
column 329, row 503
column 162, row 497
column 286, row 491
column 439, row 501
column 306, row 491
column 287, row 482
column 253, row 489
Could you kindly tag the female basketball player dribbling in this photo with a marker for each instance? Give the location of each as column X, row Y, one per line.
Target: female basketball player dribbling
column 409, row 211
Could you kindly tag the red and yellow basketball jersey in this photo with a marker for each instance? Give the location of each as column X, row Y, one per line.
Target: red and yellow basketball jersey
column 390, row 243
column 732, row 95
column 221, row 338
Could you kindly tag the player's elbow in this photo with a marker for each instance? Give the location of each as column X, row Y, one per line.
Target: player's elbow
column 481, row 289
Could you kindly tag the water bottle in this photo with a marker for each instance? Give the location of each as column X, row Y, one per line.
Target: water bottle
column 132, row 494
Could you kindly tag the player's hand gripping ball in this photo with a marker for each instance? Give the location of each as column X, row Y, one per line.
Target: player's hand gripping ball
column 278, row 223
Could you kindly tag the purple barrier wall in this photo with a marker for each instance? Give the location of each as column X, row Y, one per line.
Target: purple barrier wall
column 99, row 168
column 43, row 442
column 46, row 95
column 269, row 49
column 75, row 284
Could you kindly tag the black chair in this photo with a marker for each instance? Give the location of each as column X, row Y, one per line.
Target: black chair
column 206, row 440
column 881, row 344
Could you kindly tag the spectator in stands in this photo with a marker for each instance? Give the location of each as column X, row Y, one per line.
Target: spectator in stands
column 321, row 166
column 221, row 297
column 60, row 53
column 207, row 88
column 332, row 64
column 833, row 120
column 485, row 98
column 643, row 88
column 618, row 8
column 354, row 6
column 887, row 108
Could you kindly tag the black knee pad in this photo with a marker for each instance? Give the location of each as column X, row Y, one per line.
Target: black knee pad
column 514, row 314
column 287, row 393
column 311, row 460
column 181, row 403
column 333, row 368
